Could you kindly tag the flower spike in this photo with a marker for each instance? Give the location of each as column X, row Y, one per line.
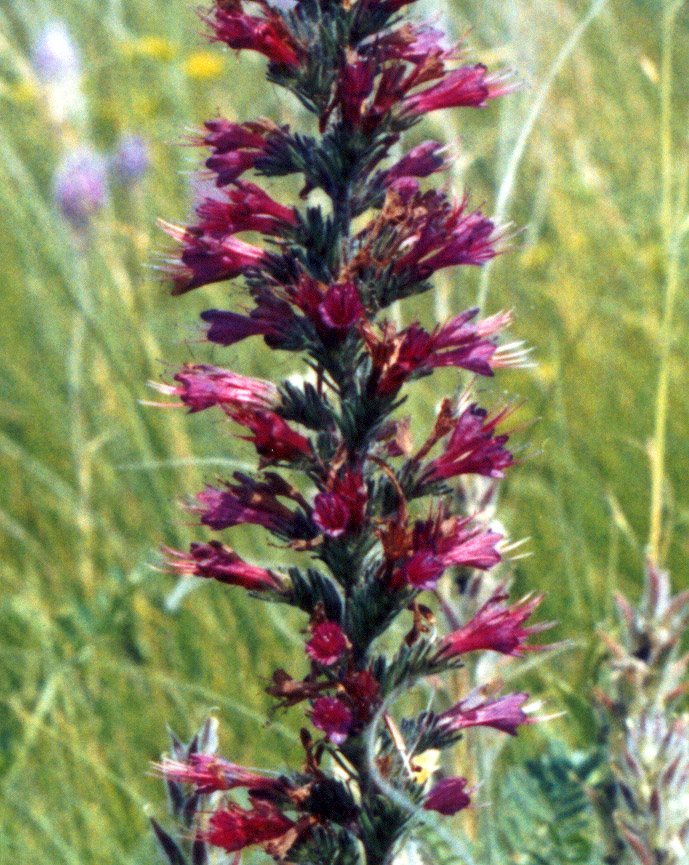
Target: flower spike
column 365, row 521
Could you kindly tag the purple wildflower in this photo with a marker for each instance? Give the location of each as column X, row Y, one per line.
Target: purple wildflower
column 80, row 187
column 130, row 160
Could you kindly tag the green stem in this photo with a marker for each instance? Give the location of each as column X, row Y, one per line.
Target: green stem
column 671, row 251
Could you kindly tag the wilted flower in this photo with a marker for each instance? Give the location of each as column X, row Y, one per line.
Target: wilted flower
column 442, row 541
column 503, row 714
column 209, row 773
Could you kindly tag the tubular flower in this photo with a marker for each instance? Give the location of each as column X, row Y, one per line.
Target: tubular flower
column 472, row 448
column 208, row 773
column 248, row 501
column 413, row 351
column 236, row 146
column 440, row 542
column 273, row 318
column 421, row 161
column 418, row 233
column 241, row 207
column 465, row 87
column 269, row 35
column 227, row 328
column 274, row 440
column 442, row 233
column 497, row 627
column 221, row 563
column 342, row 508
column 375, row 80
column 235, row 828
column 339, row 310
column 210, row 252
column 363, row 691
column 206, row 259
column 201, row 386
column 503, row 714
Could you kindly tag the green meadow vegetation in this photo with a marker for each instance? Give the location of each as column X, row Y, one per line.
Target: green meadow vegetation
column 99, row 650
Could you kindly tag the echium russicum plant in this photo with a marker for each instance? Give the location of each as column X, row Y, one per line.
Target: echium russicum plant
column 378, row 519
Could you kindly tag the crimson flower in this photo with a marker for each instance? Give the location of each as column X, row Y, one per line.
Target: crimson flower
column 471, row 448
column 273, row 318
column 503, row 714
column 343, row 507
column 234, row 828
column 227, row 328
column 202, row 386
column 414, row 351
column 241, row 207
column 340, row 308
column 333, row 717
column 465, row 87
column 210, row 252
column 236, row 146
column 206, row 258
column 363, row 690
column 249, row 501
column 375, row 80
column 447, row 796
column 442, row 232
column 496, row 626
column 274, row 440
column 218, row 562
column 269, row 35
column 327, row 644
column 420, row 161
column 440, row 542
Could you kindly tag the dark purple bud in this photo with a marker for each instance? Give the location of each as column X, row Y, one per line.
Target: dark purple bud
column 447, row 796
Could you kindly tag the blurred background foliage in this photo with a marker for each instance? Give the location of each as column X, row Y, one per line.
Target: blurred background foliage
column 97, row 649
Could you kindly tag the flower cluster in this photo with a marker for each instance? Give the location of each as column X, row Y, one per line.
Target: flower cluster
column 376, row 517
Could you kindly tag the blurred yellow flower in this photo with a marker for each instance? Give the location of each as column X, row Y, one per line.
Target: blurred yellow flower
column 149, row 46
column 24, row 91
column 202, row 65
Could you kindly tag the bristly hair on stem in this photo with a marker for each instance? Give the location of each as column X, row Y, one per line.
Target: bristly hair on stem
column 339, row 480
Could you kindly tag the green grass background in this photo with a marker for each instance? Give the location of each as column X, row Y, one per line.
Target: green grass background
column 93, row 660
